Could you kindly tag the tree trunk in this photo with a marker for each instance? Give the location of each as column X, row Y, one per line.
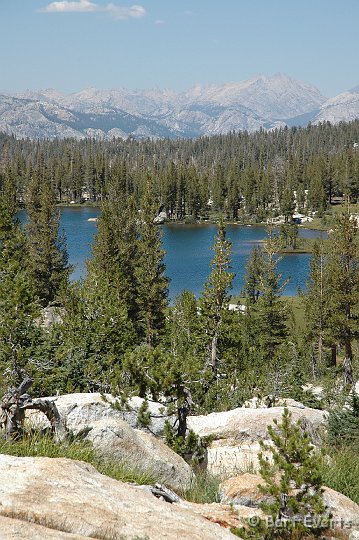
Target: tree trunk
column 348, row 371
column 214, row 356
column 12, row 412
column 333, row 356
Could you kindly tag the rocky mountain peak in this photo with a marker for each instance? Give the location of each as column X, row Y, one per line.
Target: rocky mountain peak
column 267, row 102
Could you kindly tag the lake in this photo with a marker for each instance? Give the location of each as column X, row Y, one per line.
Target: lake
column 188, row 251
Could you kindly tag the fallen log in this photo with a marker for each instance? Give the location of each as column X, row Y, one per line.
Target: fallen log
column 12, row 412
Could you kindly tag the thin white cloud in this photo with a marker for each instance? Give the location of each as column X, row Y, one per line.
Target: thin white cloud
column 160, row 21
column 70, row 7
column 119, row 12
column 86, row 6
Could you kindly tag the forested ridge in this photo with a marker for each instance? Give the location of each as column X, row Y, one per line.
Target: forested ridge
column 239, row 174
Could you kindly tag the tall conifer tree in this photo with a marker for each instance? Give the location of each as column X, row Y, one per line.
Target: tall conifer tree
column 252, row 280
column 215, row 299
column 115, row 251
column 18, row 303
column 343, row 275
column 47, row 254
column 316, row 304
column 151, row 282
column 269, row 314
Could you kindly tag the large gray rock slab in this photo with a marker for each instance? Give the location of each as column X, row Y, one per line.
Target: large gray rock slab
column 16, row 529
column 236, row 434
column 81, row 409
column 72, row 497
column 99, row 421
column 250, row 424
column 116, row 440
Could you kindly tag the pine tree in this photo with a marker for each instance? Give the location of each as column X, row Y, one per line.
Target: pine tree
column 316, row 305
column 18, row 310
column 268, row 316
column 289, row 235
column 8, row 204
column 151, row 282
column 343, row 424
column 252, row 279
column 18, row 304
column 317, row 199
column 183, row 340
column 115, row 251
column 287, row 204
column 183, row 335
column 290, row 470
column 215, row 298
column 95, row 335
column 46, row 248
column 343, row 276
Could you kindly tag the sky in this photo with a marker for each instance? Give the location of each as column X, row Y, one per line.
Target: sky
column 75, row 44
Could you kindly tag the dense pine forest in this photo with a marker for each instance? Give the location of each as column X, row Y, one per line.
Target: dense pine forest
column 239, row 174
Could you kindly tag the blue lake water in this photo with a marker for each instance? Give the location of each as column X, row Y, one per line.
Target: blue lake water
column 188, row 251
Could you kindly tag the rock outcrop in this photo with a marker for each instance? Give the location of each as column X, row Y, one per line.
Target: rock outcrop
column 235, row 435
column 225, row 515
column 269, row 401
column 116, row 440
column 61, row 498
column 243, row 490
column 103, row 424
column 341, row 507
column 14, row 529
column 47, row 498
column 83, row 409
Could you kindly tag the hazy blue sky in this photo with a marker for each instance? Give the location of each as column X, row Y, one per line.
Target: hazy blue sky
column 73, row 44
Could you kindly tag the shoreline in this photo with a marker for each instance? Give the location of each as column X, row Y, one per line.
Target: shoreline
column 314, row 226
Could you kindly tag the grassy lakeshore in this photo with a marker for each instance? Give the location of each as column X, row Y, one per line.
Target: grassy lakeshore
column 322, row 223
column 303, row 245
column 87, row 204
column 295, row 304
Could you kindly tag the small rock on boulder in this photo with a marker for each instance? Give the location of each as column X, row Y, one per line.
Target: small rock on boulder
column 242, row 490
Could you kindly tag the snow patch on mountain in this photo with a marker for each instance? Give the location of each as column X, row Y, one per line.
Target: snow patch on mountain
column 261, row 102
column 342, row 108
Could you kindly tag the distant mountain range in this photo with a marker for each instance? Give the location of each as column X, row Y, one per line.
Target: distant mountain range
column 261, row 102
